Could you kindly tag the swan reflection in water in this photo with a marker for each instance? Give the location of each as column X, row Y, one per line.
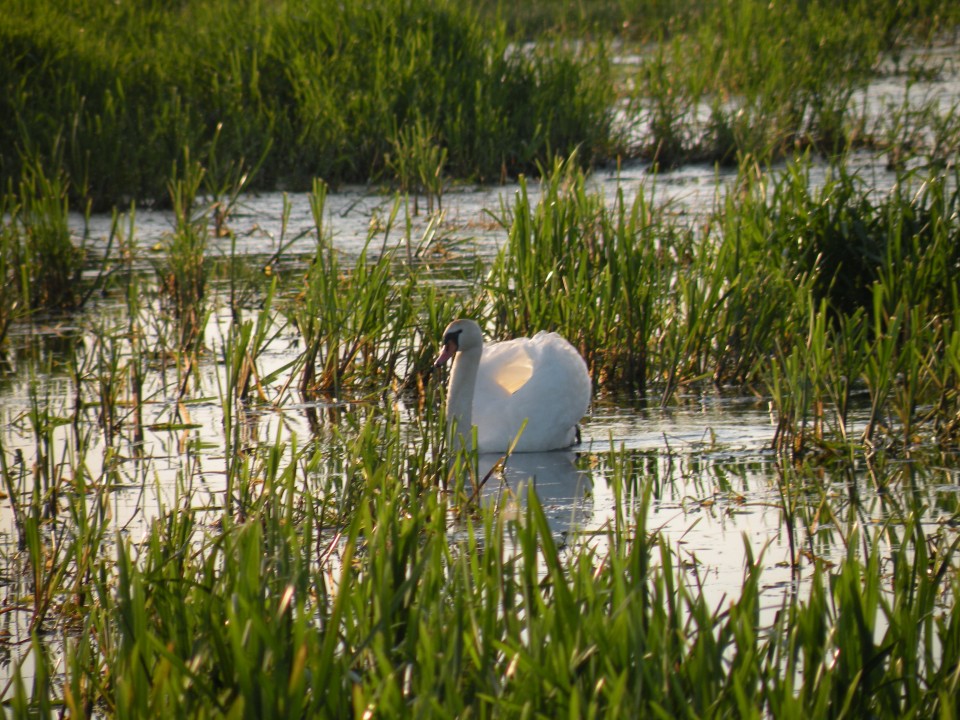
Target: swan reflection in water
column 564, row 490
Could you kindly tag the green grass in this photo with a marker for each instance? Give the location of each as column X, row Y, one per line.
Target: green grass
column 355, row 563
column 745, row 79
column 42, row 261
column 345, row 566
column 112, row 96
column 653, row 19
column 108, row 97
column 387, row 605
column 858, row 293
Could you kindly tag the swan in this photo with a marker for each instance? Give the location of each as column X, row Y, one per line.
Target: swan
column 542, row 380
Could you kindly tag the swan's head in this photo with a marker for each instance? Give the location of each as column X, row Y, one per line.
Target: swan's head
column 460, row 336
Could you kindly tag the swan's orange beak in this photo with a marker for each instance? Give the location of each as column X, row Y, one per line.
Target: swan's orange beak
column 449, row 350
column 451, row 343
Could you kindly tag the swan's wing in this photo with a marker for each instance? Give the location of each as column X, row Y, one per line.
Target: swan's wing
column 542, row 381
column 560, row 384
column 505, row 367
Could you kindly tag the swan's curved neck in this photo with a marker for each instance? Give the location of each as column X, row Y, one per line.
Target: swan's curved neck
column 463, row 380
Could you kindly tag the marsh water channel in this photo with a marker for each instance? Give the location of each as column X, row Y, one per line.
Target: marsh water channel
column 706, row 458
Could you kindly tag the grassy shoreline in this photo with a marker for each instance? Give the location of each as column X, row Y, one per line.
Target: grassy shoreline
column 112, row 96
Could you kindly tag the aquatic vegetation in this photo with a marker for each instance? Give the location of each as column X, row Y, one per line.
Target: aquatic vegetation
column 595, row 275
column 858, row 294
column 41, row 258
column 183, row 274
column 294, row 90
column 359, row 324
column 878, row 275
column 417, row 163
column 741, row 79
column 358, row 554
column 385, row 603
column 225, row 479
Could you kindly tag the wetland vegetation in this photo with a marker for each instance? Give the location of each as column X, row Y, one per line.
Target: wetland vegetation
column 226, row 486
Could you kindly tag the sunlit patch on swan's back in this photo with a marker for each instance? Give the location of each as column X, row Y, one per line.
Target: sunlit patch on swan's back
column 514, row 376
column 511, row 366
column 527, row 394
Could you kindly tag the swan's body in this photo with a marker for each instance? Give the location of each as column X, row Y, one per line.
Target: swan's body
column 541, row 380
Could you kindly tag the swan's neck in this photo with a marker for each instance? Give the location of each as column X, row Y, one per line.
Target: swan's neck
column 463, row 380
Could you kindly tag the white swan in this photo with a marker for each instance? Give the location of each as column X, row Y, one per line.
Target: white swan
column 541, row 380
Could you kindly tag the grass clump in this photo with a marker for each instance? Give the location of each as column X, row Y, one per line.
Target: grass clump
column 42, row 259
column 184, row 271
column 298, row 90
column 593, row 274
column 652, row 304
column 743, row 78
column 356, row 323
column 876, row 283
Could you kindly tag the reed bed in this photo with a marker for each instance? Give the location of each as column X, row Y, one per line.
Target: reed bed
column 178, row 541
column 418, row 95
column 112, row 96
column 358, row 563
column 858, row 295
column 358, row 593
